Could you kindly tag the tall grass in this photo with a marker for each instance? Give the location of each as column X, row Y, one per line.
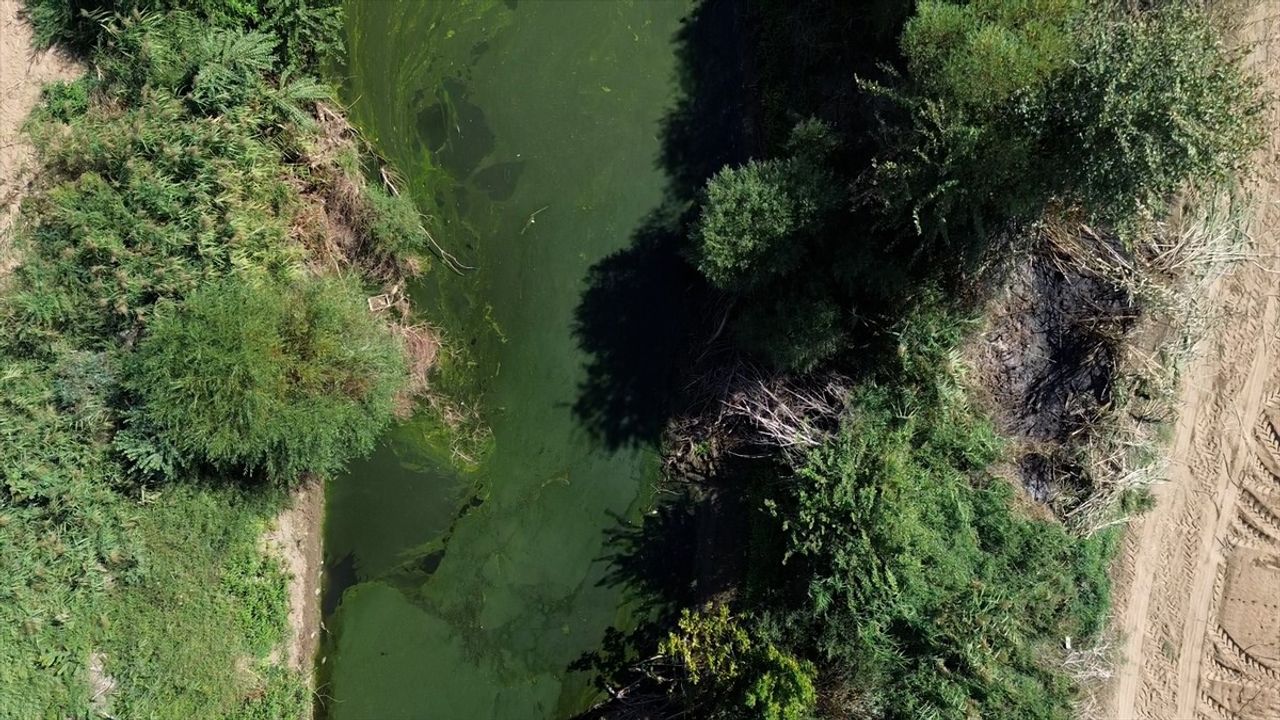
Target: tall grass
column 133, row 582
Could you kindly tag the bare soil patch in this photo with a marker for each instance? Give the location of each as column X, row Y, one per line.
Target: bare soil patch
column 296, row 537
column 23, row 71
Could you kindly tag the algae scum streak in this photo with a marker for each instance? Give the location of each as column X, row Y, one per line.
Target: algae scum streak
column 466, row 573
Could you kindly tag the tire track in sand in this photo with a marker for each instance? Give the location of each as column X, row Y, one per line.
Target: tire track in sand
column 1198, row 581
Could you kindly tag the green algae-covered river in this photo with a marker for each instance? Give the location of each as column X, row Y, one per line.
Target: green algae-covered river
column 466, row 577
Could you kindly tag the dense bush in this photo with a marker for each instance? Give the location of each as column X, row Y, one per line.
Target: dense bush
column 305, row 33
column 980, row 55
column 1010, row 106
column 758, row 219
column 888, row 573
column 927, row 591
column 1151, row 104
column 963, row 156
column 994, row 112
column 283, row 379
column 792, row 327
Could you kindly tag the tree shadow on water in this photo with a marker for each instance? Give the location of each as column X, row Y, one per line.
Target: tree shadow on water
column 633, row 323
column 643, row 303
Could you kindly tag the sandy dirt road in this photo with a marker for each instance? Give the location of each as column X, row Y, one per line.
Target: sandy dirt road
column 1198, row 582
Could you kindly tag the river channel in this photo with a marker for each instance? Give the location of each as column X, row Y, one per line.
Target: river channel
column 465, row 578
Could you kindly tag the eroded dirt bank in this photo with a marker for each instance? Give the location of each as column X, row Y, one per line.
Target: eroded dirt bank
column 1198, row 581
column 296, row 538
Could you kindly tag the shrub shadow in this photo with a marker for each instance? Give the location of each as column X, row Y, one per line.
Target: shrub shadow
column 642, row 305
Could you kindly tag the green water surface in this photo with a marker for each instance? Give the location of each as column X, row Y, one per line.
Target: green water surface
column 529, row 131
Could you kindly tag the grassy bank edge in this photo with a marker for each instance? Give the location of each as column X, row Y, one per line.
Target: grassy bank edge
column 128, row 594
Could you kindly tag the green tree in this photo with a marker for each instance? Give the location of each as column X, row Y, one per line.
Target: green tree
column 1009, row 105
column 282, row 379
column 921, row 583
column 979, row 55
column 964, row 156
column 758, row 218
column 793, row 326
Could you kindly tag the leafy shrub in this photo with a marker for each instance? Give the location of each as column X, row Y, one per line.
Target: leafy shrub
column 963, row 158
column 283, row 379
column 755, row 218
column 1153, row 102
column 982, row 54
column 925, row 587
column 176, row 171
column 309, row 31
column 748, row 225
column 792, row 328
column 1009, row 105
column 729, row 672
column 394, row 226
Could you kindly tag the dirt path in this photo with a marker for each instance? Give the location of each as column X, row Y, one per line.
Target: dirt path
column 1198, row 583
column 296, row 538
column 23, row 70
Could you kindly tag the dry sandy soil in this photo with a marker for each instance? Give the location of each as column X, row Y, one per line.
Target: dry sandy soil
column 296, row 538
column 1198, row 583
column 23, row 70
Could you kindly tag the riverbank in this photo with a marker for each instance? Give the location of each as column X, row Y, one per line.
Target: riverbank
column 935, row 427
column 296, row 538
column 1197, row 576
column 204, row 311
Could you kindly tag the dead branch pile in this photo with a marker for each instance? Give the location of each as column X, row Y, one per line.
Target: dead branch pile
column 788, row 413
column 740, row 408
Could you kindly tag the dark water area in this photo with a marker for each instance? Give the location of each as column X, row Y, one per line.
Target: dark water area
column 465, row 580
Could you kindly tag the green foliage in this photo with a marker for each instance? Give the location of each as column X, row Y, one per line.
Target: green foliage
column 66, row 101
column 1152, row 103
column 174, row 594
column 748, row 225
column 287, row 379
column 965, row 157
column 187, row 630
column 729, row 672
column 997, row 111
column 394, row 227
column 708, row 645
column 782, row 688
column 1011, row 105
column 755, row 218
column 792, row 328
column 174, row 180
column 979, row 55
column 924, row 585
column 306, row 33
column 61, row 538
